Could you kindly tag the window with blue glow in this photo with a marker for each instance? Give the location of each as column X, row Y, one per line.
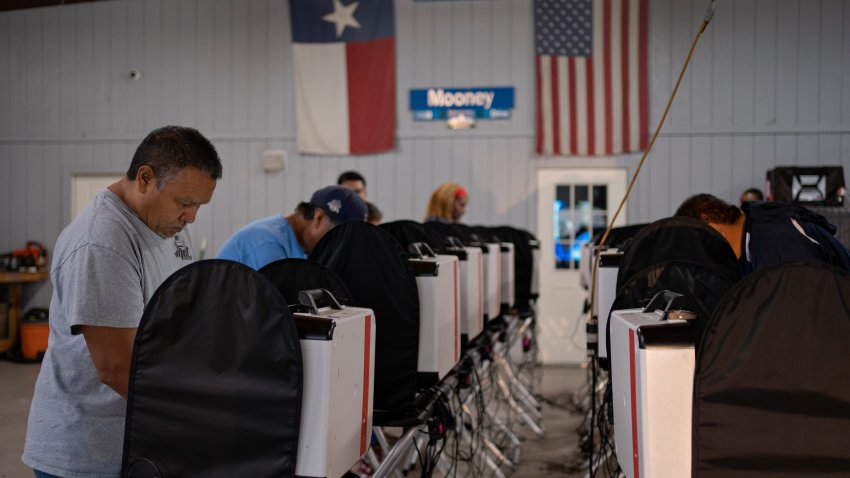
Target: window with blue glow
column 578, row 212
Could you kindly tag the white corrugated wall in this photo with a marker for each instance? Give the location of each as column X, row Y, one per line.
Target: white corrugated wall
column 770, row 85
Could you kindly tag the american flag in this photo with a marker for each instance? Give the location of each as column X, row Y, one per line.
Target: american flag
column 591, row 70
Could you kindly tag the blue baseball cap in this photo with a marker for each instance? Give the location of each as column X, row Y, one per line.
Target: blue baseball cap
column 340, row 204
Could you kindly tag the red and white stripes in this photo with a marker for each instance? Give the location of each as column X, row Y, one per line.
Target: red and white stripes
column 598, row 104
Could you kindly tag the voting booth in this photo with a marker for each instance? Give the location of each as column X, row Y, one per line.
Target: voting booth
column 472, row 276
column 376, row 270
column 472, row 289
column 216, row 380
column 606, row 292
column 526, row 250
column 438, row 283
column 772, row 379
column 652, row 377
column 679, row 254
column 338, row 351
column 762, row 392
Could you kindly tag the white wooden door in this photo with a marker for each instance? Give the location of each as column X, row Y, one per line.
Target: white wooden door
column 572, row 203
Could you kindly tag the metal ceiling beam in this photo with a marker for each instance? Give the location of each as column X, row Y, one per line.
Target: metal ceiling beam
column 7, row 5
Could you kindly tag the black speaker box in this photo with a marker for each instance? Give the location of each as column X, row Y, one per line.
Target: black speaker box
column 810, row 186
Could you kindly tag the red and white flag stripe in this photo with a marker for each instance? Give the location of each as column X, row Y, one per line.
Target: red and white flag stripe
column 598, row 104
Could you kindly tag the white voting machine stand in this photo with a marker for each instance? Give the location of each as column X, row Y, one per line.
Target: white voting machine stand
column 438, row 281
column 471, row 288
column 508, row 279
column 492, row 280
column 652, row 368
column 606, row 292
column 338, row 353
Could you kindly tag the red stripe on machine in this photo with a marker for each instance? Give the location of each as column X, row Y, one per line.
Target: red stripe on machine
column 499, row 283
column 635, row 457
column 480, row 292
column 456, row 340
column 364, row 413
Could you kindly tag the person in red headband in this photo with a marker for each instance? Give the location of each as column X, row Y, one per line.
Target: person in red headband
column 447, row 204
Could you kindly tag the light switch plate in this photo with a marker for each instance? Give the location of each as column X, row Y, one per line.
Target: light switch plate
column 274, row 160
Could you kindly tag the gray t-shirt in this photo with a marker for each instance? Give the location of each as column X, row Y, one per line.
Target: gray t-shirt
column 106, row 266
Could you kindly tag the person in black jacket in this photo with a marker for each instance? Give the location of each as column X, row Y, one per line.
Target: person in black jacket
column 766, row 233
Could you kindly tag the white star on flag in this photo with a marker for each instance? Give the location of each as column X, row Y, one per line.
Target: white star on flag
column 342, row 16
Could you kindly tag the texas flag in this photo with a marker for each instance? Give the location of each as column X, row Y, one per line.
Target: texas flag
column 344, row 58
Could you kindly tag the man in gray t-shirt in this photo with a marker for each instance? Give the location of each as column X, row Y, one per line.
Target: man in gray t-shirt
column 107, row 265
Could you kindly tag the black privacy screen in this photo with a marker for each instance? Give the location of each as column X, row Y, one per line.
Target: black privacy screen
column 772, row 381
column 216, row 380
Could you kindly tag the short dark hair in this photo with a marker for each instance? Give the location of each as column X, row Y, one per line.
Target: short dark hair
column 350, row 176
column 306, row 209
column 709, row 209
column 308, row 212
column 755, row 192
column 170, row 149
column 375, row 214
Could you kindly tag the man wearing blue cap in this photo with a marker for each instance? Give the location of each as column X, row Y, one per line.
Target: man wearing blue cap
column 281, row 237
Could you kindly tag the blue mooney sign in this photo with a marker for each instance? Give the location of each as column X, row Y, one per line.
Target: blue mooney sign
column 484, row 103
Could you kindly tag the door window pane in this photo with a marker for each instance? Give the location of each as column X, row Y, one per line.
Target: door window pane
column 582, row 196
column 580, row 211
column 562, row 193
column 563, row 222
column 600, row 221
column 600, row 197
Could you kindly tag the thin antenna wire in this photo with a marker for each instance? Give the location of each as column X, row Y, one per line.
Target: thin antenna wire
column 709, row 14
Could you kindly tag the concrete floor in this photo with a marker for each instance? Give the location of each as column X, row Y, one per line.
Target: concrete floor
column 557, row 454
column 552, row 456
column 16, row 385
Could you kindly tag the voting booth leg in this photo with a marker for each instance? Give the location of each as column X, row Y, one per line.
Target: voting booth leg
column 506, row 395
column 490, row 447
column 521, row 392
column 517, row 334
column 505, row 450
column 384, row 445
column 396, row 455
column 508, row 384
column 508, row 442
column 529, row 366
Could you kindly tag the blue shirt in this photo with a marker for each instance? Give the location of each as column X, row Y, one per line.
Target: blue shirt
column 262, row 242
